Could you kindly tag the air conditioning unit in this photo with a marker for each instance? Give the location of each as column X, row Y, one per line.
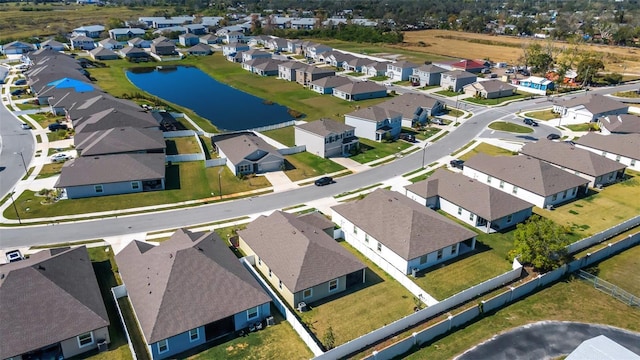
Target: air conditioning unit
column 302, row 306
column 270, row 321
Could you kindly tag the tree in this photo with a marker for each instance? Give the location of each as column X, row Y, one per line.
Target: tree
column 588, row 67
column 539, row 58
column 541, row 243
column 114, row 23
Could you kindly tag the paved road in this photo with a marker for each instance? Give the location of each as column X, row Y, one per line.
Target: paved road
column 547, row 340
column 13, row 141
column 470, row 129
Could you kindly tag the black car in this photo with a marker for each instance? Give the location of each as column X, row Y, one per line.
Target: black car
column 20, row 82
column 553, row 137
column 457, row 163
column 326, row 180
column 57, row 126
column 407, row 137
column 17, row 92
column 530, row 122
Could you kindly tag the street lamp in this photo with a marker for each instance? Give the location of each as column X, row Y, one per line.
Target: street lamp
column 22, row 157
column 220, row 181
column 424, row 153
column 15, row 208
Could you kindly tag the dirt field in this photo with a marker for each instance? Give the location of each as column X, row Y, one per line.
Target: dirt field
column 508, row 49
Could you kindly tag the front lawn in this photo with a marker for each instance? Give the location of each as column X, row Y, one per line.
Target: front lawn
column 423, row 134
column 628, row 94
column 45, row 119
column 510, row 127
column 49, row 170
column 582, row 127
column 623, row 270
column 59, row 135
column 447, row 93
column 379, row 78
column 307, row 165
column 543, row 115
column 486, row 149
column 500, row 100
column 372, row 150
column 379, row 301
column 285, row 135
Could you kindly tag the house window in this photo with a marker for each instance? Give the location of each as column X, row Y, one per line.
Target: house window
column 252, row 313
column 307, row 293
column 611, row 176
column 355, row 230
column 98, row 188
column 259, row 261
column 509, row 218
column 163, row 346
column 454, row 249
column 85, row 339
column 244, row 168
column 439, row 254
column 270, row 272
column 333, row 285
column 280, row 284
column 488, row 179
column 554, row 197
column 366, row 238
column 459, row 210
column 575, row 190
column 515, row 190
column 501, row 184
column 379, row 247
column 633, row 162
column 135, row 185
column 618, row 158
column 194, row 335
column 423, row 259
column 564, row 195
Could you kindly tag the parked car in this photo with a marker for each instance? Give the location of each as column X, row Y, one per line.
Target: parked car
column 58, row 158
column 530, row 122
column 14, row 255
column 20, row 82
column 553, row 137
column 437, row 121
column 326, row 180
column 407, row 137
column 485, row 71
column 17, row 92
column 456, row 163
column 25, row 126
column 57, row 126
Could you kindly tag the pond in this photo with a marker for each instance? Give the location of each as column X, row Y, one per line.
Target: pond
column 227, row 108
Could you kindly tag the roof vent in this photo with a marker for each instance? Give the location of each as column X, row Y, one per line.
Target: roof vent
column 294, row 232
column 1, row 276
column 40, row 267
column 199, row 248
column 170, row 256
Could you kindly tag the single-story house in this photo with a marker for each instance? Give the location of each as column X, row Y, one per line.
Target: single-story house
column 200, row 49
column 189, row 290
column 400, row 70
column 472, row 66
column 267, row 68
column 327, row 138
column 534, row 84
column 360, row 90
column 92, row 31
column 415, row 108
column 375, row 123
column 399, row 230
column 250, row 64
column 375, row 69
column 326, row 85
column 619, row 124
column 247, row 153
column 489, row 89
column 17, row 48
column 337, row 58
column 82, row 42
column 112, row 174
column 588, row 108
column 53, row 45
column 103, row 53
column 255, row 54
column 188, row 39
column 134, row 54
column 209, row 39
column 122, row 34
column 471, row 201
column 119, row 141
column 426, row 75
column 356, row 64
column 455, row 80
column 110, row 44
column 623, row 148
column 51, row 306
column 139, row 43
column 163, row 48
column 315, row 265
column 259, row 40
column 111, row 117
column 529, row 179
column 597, row 169
column 310, row 73
column 287, row 70
column 196, row 29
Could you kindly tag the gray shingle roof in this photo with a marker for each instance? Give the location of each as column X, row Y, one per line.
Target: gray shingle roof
column 50, row 297
column 374, row 113
column 402, row 225
column 269, row 65
column 188, row 281
column 492, row 86
column 106, row 169
column 621, row 124
column 119, row 140
column 431, row 69
column 361, row 87
column 408, row 103
column 527, row 173
column 570, row 157
column 621, row 144
column 331, row 81
column 459, row 74
column 324, row 127
column 102, row 51
column 300, row 254
column 479, row 198
column 595, row 103
column 237, row 148
column 115, row 117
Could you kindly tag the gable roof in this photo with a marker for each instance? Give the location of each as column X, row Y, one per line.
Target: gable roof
column 292, row 65
column 103, row 51
column 331, row 81
column 131, row 50
column 324, row 127
column 408, row 103
column 269, row 65
column 492, row 86
column 525, row 172
column 108, row 41
column 114, row 117
column 481, row 199
column 407, row 228
column 594, row 103
column 627, row 145
column 570, row 157
column 200, row 47
column 237, row 148
column 361, row 87
column 459, row 74
column 188, row 281
column 49, row 297
column 468, row 64
column 374, row 113
column 300, row 254
column 430, row 69
column 119, row 140
column 379, row 66
column 621, row 124
column 403, row 64
column 91, row 170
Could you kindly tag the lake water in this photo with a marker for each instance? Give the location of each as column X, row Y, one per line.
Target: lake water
column 225, row 107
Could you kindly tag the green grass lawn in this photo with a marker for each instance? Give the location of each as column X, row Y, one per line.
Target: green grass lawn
column 285, row 135
column 58, row 135
column 232, row 184
column 378, row 49
column 448, row 93
column 623, row 270
column 543, row 115
column 486, row 149
column 372, row 150
column 429, row 87
column 379, row 301
column 379, row 78
column 423, row 134
column 581, row 127
column 44, row 119
column 599, row 210
column 447, row 279
column 307, row 165
column 510, row 127
column 627, row 94
column 49, row 170
column 183, row 145
column 497, row 101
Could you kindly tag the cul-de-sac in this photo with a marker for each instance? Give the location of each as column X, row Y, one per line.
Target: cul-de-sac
column 401, row 179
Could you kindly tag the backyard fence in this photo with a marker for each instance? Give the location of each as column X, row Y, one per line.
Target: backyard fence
column 610, row 289
column 292, row 150
column 603, row 235
column 178, row 133
column 274, row 126
column 185, row 157
column 117, row 292
column 215, row 162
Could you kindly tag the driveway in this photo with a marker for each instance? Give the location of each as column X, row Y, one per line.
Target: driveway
column 547, row 340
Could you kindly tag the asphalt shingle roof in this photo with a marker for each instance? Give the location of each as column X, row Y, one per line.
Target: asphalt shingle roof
column 594, row 103
column 621, row 144
column 119, row 140
column 324, row 127
column 361, row 87
column 374, row 113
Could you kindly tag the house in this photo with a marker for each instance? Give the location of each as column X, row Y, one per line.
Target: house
column 426, row 75
column 211, row 21
column 470, row 201
column 375, row 69
column 404, row 233
column 209, row 39
column 619, row 124
column 101, row 53
column 375, row 123
column 471, row 66
column 82, row 42
column 232, row 49
column 287, row 70
column 529, row 179
column 601, row 347
column 53, row 45
column 93, row 119
column 189, row 290
column 326, row 85
column 313, row 51
column 17, row 48
column 277, row 44
column 306, row 75
column 51, row 306
column 188, row 39
column 489, row 89
column 246, row 153
column 250, row 64
column 315, row 265
column 163, row 23
column 120, row 141
column 139, row 43
column 588, row 108
column 303, row 23
column 597, row 169
column 327, row 138
column 400, row 70
column 455, row 80
column 233, row 37
column 134, row 54
column 360, row 90
column 623, row 148
column 163, row 48
column 269, row 67
column 356, row 64
column 123, row 34
column 415, row 108
column 534, row 84
column 179, row 30
column 255, row 54
column 337, row 58
column 110, row 44
column 259, row 40
column 293, row 46
column 92, row 31
column 196, row 29
column 200, row 50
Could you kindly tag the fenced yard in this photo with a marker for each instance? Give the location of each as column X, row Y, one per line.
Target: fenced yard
column 609, row 288
column 183, row 145
column 623, row 270
column 285, row 135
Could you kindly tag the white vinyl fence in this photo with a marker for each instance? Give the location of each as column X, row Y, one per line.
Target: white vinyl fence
column 292, row 150
column 117, row 292
column 603, row 235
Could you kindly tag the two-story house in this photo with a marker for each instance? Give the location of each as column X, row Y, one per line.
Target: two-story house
column 455, row 80
column 400, row 70
column 426, row 75
column 327, row 138
column 375, row 123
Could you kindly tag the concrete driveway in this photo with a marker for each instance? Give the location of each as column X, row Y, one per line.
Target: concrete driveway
column 547, row 340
